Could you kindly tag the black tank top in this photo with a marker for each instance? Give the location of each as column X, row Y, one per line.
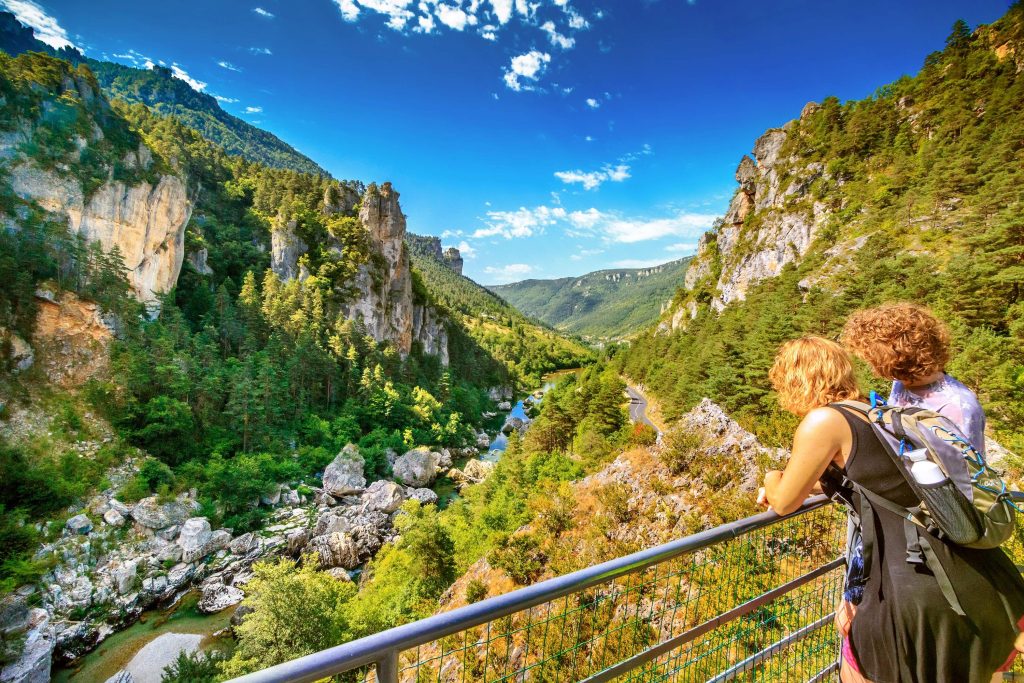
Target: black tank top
column 905, row 630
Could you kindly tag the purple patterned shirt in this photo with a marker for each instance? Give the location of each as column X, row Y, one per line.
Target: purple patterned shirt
column 949, row 398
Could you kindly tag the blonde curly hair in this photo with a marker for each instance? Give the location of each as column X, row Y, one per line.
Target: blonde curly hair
column 901, row 341
column 812, row 372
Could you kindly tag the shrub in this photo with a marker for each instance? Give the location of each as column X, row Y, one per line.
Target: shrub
column 520, row 557
column 476, row 590
column 615, row 499
column 680, row 451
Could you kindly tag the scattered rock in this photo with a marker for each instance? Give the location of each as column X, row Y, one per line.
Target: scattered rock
column 385, row 496
column 79, row 524
column 217, row 597
column 415, row 468
column 244, row 544
column 152, row 515
column 339, row 574
column 505, row 405
column 443, row 459
column 513, row 424
column 336, row 550
column 271, row 499
column 424, row 496
column 344, row 475
column 483, row 441
column 113, row 518
column 297, row 541
column 194, row 537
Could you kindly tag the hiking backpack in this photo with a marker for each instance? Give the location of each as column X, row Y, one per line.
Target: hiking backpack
column 971, row 508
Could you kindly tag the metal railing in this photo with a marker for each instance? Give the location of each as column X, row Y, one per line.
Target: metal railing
column 750, row 600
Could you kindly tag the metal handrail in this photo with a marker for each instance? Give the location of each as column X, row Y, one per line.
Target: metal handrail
column 384, row 648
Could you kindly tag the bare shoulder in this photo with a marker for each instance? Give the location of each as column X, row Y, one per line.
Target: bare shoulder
column 822, row 421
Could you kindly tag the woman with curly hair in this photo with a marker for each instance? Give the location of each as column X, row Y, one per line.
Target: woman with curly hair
column 907, row 344
column 904, row 630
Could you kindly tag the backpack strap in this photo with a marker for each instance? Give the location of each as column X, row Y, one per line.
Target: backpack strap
column 919, row 549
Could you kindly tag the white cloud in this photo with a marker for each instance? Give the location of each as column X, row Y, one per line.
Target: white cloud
column 615, row 172
column 592, row 103
column 609, row 226
column 181, row 74
column 630, row 230
column 225, row 100
column 137, row 59
column 454, row 17
column 520, row 223
column 254, row 110
column 556, row 38
column 529, row 66
column 262, row 12
column 502, row 10
column 682, row 247
column 466, row 249
column 227, row 65
column 349, row 9
column 589, row 138
column 260, row 50
column 508, row 273
column 35, row 17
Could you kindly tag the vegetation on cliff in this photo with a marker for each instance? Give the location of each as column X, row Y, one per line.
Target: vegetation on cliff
column 524, row 349
column 927, row 174
column 158, row 89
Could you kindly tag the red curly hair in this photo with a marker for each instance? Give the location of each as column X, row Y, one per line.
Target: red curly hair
column 901, row 341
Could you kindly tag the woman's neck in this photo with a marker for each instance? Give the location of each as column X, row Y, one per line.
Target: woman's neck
column 925, row 381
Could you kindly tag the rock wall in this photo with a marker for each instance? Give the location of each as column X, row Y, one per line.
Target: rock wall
column 146, row 222
column 775, row 190
column 384, row 303
column 71, row 338
column 453, row 259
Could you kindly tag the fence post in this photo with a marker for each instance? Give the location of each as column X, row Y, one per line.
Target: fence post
column 387, row 667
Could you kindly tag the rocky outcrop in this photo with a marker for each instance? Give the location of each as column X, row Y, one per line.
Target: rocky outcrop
column 453, row 259
column 17, row 354
column 217, row 597
column 771, row 221
column 146, row 222
column 344, row 476
column 383, row 302
column 33, row 664
column 71, row 337
column 285, row 250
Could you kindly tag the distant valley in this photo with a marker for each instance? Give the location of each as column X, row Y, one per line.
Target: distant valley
column 599, row 306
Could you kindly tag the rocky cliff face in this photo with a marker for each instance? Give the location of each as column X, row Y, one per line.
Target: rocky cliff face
column 384, row 302
column 454, row 259
column 145, row 222
column 771, row 221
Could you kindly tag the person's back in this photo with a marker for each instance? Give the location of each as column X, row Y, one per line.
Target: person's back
column 949, row 397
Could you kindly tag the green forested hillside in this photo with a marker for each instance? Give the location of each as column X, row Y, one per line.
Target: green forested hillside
column 244, row 380
column 159, row 90
column 606, row 304
column 527, row 349
column 929, row 173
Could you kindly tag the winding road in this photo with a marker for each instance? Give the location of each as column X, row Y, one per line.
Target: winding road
column 638, row 408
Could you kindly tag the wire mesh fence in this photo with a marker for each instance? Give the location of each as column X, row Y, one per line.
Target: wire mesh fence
column 756, row 607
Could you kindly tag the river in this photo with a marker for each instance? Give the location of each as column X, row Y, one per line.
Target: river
column 120, row 650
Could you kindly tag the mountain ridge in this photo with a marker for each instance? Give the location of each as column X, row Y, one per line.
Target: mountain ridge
column 160, row 90
column 602, row 305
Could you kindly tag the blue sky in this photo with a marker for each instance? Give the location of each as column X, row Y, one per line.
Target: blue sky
column 545, row 137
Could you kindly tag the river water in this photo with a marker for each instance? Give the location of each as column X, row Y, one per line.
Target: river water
column 118, row 651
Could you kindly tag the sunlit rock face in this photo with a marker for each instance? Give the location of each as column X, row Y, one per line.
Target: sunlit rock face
column 145, row 222
column 384, row 302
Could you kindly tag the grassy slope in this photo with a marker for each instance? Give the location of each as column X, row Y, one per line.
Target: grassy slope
column 604, row 304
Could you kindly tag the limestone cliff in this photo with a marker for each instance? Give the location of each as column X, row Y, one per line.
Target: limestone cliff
column 453, row 258
column 771, row 221
column 383, row 302
column 145, row 222
column 144, row 218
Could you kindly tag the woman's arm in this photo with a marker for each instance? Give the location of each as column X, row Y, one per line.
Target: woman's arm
column 818, row 439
